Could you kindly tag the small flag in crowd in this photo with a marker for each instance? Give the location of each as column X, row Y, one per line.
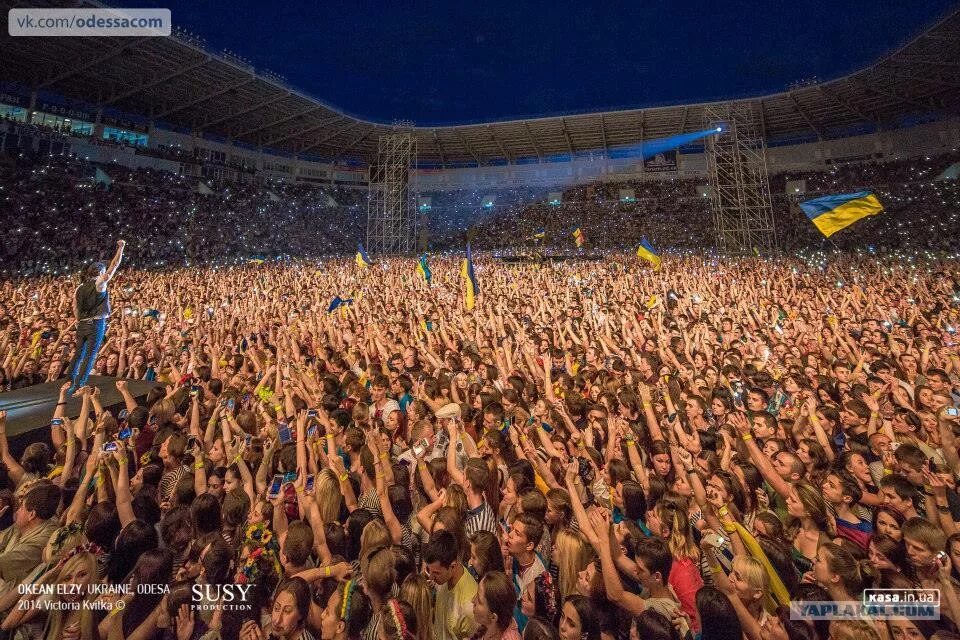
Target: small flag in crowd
column 256, row 260
column 151, row 313
column 539, row 234
column 101, row 177
column 338, row 302
column 646, row 251
column 426, row 325
column 578, row 237
column 363, row 260
column 424, row 269
column 471, row 290
column 833, row 213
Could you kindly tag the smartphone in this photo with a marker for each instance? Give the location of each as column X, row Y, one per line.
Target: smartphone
column 311, row 413
column 275, row 486
column 125, row 433
column 109, row 447
column 312, row 431
column 284, row 431
column 289, row 477
column 715, row 540
column 122, row 415
column 56, row 422
column 231, row 404
column 953, row 412
column 420, row 447
column 192, row 442
column 247, row 439
column 194, row 391
column 308, row 487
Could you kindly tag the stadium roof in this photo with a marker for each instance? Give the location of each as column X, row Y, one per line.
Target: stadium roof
column 178, row 82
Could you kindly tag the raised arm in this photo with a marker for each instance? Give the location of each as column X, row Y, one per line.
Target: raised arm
column 115, row 263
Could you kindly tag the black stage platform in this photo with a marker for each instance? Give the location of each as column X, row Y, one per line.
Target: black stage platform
column 29, row 409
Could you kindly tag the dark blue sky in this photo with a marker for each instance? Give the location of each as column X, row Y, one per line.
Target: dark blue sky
column 445, row 62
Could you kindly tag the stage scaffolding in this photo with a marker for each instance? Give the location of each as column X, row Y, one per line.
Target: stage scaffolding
column 391, row 205
column 739, row 183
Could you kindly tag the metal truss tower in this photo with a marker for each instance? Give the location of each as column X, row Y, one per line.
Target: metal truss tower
column 391, row 205
column 740, row 185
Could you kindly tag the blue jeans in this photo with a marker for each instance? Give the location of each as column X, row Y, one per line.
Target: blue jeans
column 89, row 340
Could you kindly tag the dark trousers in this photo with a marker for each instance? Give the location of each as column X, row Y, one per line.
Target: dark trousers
column 89, row 340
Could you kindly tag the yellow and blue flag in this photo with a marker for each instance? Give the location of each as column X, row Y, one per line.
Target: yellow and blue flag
column 426, row 325
column 363, row 260
column 424, row 269
column 471, row 289
column 833, row 213
column 338, row 302
column 539, row 234
column 578, row 237
column 646, row 251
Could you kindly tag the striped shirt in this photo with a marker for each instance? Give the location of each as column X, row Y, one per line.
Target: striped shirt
column 480, row 519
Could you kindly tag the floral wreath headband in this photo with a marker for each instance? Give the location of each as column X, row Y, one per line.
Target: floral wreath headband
column 261, row 538
column 398, row 619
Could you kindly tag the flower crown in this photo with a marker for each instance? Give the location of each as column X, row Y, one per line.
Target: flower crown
column 65, row 532
column 261, row 538
column 398, row 620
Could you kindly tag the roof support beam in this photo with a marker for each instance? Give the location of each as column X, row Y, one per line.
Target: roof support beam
column 331, row 136
column 436, row 138
column 806, row 118
column 467, row 146
column 763, row 121
column 566, row 134
column 500, row 146
column 156, row 82
column 353, row 143
column 83, row 66
column 207, row 96
column 274, row 123
column 927, row 79
column 533, row 143
column 603, row 135
column 891, row 94
column 683, row 123
column 843, row 103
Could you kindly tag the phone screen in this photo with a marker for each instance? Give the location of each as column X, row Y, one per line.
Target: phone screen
column 308, row 488
column 421, row 447
column 284, row 432
column 109, row 447
column 56, row 422
column 125, row 433
column 275, row 486
column 312, row 431
column 230, row 404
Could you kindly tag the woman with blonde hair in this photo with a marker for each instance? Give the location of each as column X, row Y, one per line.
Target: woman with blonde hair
column 327, row 496
column 571, row 555
column 68, row 618
column 417, row 592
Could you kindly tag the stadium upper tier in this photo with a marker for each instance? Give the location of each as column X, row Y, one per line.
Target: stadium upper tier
column 176, row 81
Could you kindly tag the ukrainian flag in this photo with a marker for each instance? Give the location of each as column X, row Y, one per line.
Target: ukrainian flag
column 833, row 213
column 424, row 269
column 539, row 234
column 647, row 252
column 578, row 237
column 338, row 302
column 426, row 325
column 471, row 290
column 363, row 260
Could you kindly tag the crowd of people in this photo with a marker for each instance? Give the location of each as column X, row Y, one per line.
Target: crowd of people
column 595, row 450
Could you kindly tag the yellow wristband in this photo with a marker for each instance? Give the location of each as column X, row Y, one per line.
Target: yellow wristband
column 747, row 437
column 631, row 443
column 647, row 405
column 327, row 571
column 344, row 477
column 723, row 511
column 383, row 456
column 198, row 464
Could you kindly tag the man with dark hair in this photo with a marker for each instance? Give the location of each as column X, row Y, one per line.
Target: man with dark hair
column 383, row 405
column 529, row 573
column 296, row 548
column 91, row 308
column 898, row 492
column 480, row 517
column 456, row 588
column 843, row 492
column 21, row 546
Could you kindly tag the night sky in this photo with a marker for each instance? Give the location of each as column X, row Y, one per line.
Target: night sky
column 451, row 62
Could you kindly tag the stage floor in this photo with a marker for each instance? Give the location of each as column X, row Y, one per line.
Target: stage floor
column 29, row 409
